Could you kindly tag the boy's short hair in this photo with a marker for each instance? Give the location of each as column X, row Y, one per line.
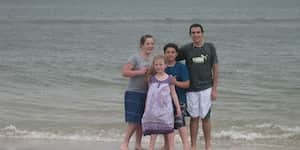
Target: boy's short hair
column 196, row 25
column 172, row 45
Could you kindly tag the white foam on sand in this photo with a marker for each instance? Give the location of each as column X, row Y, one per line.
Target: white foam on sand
column 12, row 138
column 15, row 133
column 265, row 131
column 247, row 133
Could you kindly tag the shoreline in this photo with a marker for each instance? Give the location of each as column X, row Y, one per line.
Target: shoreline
column 40, row 144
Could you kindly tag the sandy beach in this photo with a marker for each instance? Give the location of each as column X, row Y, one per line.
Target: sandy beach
column 28, row 144
column 61, row 86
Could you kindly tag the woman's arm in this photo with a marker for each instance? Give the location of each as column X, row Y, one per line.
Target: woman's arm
column 128, row 71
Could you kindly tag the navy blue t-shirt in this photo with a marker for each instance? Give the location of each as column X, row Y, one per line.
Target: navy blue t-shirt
column 179, row 71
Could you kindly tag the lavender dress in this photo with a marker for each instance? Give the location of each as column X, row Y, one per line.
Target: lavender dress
column 158, row 117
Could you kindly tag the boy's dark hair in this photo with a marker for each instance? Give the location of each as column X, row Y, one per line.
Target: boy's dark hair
column 196, row 25
column 172, row 45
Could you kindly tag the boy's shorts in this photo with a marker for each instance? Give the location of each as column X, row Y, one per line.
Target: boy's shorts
column 180, row 121
column 199, row 103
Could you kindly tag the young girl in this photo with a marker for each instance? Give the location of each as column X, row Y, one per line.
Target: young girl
column 158, row 117
column 135, row 95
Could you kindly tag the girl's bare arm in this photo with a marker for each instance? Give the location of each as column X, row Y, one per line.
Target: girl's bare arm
column 175, row 100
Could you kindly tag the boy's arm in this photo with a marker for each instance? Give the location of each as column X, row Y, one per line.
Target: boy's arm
column 182, row 84
column 215, row 81
column 184, row 75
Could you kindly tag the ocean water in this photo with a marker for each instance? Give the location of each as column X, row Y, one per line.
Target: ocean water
column 61, row 60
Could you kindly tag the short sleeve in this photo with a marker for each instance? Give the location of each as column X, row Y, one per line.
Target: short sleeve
column 184, row 73
column 132, row 60
column 170, row 80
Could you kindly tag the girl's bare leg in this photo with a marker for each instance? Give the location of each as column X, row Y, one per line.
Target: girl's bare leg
column 184, row 138
column 166, row 143
column 129, row 131
column 171, row 141
column 152, row 141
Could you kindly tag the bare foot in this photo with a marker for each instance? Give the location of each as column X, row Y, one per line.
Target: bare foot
column 193, row 148
column 186, row 147
column 163, row 148
column 139, row 148
column 124, row 146
column 208, row 148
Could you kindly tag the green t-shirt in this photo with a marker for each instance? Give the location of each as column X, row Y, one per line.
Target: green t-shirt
column 200, row 61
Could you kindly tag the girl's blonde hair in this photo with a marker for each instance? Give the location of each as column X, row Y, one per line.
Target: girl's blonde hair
column 151, row 70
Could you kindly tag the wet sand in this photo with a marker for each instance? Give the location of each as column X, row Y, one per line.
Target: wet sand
column 29, row 144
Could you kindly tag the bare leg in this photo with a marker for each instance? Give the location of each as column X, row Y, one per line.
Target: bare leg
column 206, row 127
column 166, row 143
column 129, row 131
column 184, row 138
column 152, row 141
column 194, row 125
column 138, row 137
column 171, row 143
